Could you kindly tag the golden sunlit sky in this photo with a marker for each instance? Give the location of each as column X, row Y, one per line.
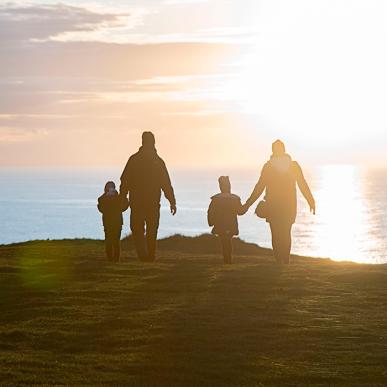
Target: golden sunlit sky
column 216, row 80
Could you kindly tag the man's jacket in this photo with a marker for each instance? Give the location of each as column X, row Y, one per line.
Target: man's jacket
column 144, row 177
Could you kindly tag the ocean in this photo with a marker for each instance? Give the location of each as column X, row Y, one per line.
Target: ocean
column 350, row 223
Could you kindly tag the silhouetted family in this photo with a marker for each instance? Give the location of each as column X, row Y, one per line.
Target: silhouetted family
column 146, row 175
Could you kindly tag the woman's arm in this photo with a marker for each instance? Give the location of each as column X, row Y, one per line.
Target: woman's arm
column 239, row 207
column 304, row 188
column 257, row 192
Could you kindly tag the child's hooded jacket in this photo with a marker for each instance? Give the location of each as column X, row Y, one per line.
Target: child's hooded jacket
column 223, row 213
column 112, row 205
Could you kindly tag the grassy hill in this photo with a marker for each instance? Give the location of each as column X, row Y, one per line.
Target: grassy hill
column 70, row 318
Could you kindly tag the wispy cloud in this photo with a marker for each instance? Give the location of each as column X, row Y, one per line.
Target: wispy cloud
column 130, row 24
column 82, row 72
column 15, row 135
column 44, row 22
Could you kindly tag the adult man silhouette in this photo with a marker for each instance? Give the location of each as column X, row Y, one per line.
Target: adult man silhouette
column 279, row 177
column 144, row 177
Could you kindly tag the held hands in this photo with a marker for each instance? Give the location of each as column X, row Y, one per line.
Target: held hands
column 173, row 209
column 245, row 207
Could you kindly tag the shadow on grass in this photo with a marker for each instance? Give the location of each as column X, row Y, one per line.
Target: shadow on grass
column 68, row 317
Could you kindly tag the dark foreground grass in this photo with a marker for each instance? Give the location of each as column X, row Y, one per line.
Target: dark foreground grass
column 70, row 318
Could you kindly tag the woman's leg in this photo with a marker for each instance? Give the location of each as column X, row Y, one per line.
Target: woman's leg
column 286, row 243
column 276, row 241
column 281, row 234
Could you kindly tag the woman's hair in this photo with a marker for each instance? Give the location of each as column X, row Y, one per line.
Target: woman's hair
column 278, row 148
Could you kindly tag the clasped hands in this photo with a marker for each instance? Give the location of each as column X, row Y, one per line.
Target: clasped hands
column 245, row 207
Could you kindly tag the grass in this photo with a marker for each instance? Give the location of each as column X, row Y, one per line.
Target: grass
column 70, row 318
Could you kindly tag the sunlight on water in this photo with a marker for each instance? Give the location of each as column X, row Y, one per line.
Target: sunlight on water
column 342, row 227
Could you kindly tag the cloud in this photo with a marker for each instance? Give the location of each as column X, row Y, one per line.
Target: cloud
column 55, row 102
column 16, row 135
column 124, row 23
column 115, row 61
column 84, row 95
column 41, row 22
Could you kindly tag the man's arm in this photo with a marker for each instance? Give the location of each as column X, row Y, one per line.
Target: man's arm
column 167, row 188
column 210, row 214
column 125, row 179
column 304, row 188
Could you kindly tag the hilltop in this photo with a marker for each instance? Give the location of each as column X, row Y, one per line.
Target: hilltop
column 69, row 317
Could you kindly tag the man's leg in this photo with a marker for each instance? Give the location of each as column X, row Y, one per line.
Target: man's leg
column 137, row 225
column 152, row 226
column 226, row 241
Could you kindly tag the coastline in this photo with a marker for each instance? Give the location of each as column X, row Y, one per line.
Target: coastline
column 201, row 244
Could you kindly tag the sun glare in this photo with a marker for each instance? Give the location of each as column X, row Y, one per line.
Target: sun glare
column 343, row 217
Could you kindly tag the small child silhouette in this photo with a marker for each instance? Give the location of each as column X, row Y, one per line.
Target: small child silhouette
column 223, row 216
column 112, row 205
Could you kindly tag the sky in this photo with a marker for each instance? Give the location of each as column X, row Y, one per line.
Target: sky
column 216, row 80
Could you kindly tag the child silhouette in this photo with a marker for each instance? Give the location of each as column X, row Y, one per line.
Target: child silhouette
column 112, row 205
column 223, row 216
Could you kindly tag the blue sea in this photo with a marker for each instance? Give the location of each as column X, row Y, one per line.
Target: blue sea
column 350, row 223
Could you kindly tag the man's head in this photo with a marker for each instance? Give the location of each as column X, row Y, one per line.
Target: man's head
column 224, row 184
column 278, row 148
column 148, row 139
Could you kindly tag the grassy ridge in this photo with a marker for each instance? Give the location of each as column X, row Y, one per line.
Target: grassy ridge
column 68, row 317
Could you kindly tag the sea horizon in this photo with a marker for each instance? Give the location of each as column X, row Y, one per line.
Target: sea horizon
column 60, row 203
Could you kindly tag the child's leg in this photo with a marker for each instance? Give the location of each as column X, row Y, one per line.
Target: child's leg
column 226, row 241
column 108, row 245
column 117, row 246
